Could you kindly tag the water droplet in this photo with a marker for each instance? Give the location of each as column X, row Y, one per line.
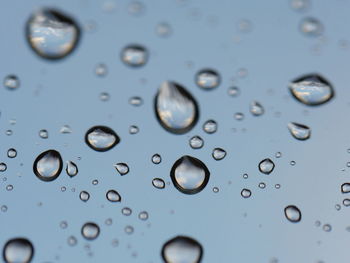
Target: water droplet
column 122, row 168
column 163, row 29
column 48, row 165
column 134, row 55
column 182, row 249
column 101, row 138
column 133, row 129
column 278, row 155
column 256, row 108
column 210, row 126
column 300, row 5
column 216, row 189
column 189, row 175
column 101, row 70
column 246, row 193
column 90, row 231
column 312, row 27
column 95, row 182
column 52, row 34
column 218, row 154
column 11, row 82
column 84, row 196
column 233, row 91
column 71, row 169
column 176, row 110
column 239, row 116
column 136, row 101
column 327, row 228
column 345, row 188
column 104, row 96
column 158, row 183
column 346, row 202
column 292, row 213
column 299, row 131
column 208, row 79
column 262, row 185
column 11, row 153
column 18, row 250
column 196, row 142
column 126, row 211
column 266, row 166
column 66, row 129
column 3, row 167
column 136, row 8
column 113, row 196
column 129, row 230
column 292, row 163
column 44, row 134
column 156, row 159
column 311, row 90
column 9, row 187
column 63, row 224
column 143, row 215
column 72, row 241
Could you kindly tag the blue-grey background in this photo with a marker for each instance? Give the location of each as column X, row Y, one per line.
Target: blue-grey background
column 205, row 34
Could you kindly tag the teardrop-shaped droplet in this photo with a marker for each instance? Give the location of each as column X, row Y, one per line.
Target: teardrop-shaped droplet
column 218, row 154
column 134, row 55
column 299, row 131
column 52, row 34
column 189, row 175
column 292, row 213
column 71, row 169
column 48, row 165
column 208, row 79
column 122, row 168
column 90, row 231
column 18, row 250
column 256, row 108
column 176, row 110
column 158, row 183
column 345, row 188
column 101, row 138
column 182, row 249
column 311, row 90
column 113, row 196
column 266, row 166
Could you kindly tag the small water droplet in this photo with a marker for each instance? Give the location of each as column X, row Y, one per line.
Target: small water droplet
column 163, row 29
column 262, row 185
column 266, row 166
column 84, row 196
column 196, row 142
column 126, row 211
column 233, row 91
column 72, row 241
column 256, row 108
column 300, row 5
column 101, row 138
column 327, row 228
column 311, row 90
column 346, row 202
column 299, row 131
column 18, row 250
column 208, row 79
column 101, row 70
column 104, row 96
column 48, row 165
column 143, row 215
column 292, row 213
column 182, row 249
column 133, row 129
column 216, row 189
column 246, row 193
column 134, row 55
column 176, row 110
column 9, row 187
column 292, row 163
column 239, row 116
column 218, row 154
column 158, row 183
column 189, row 175
column 129, row 230
column 122, row 168
column 210, row 126
column 90, row 231
column 95, row 182
column 136, row 101
column 11, row 153
column 71, row 169
column 113, row 196
column 278, row 155
column 52, row 34
column 345, row 188
column 11, row 82
column 44, row 134
column 136, row 8
column 3, row 167
column 312, row 27
column 156, row 158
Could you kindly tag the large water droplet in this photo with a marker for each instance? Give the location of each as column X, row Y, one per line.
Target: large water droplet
column 48, row 165
column 176, row 110
column 266, row 166
column 207, row 79
column 299, row 131
column 18, row 250
column 134, row 55
column 90, row 231
column 71, row 169
column 182, row 249
column 101, row 138
column 113, row 196
column 292, row 213
column 52, row 34
column 189, row 175
column 311, row 90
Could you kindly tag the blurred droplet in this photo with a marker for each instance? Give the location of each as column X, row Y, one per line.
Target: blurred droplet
column 189, row 175
column 311, row 90
column 182, row 249
column 44, row 134
column 208, row 79
column 90, row 231
column 135, row 101
column 218, row 154
column 299, row 131
column 84, row 196
column 256, row 108
column 101, row 138
column 239, row 116
column 66, row 129
column 233, row 91
column 104, row 96
column 126, row 211
column 136, row 8
column 48, row 165
column 300, row 5
column 134, row 56
column 122, row 168
column 176, row 110
column 163, row 29
column 312, row 27
column 158, row 183
column 52, row 34
column 143, row 215
column 196, row 142
column 129, row 230
column 246, row 193
column 210, row 126
column 156, row 158
column 11, row 82
column 18, row 250
column 101, row 70
column 71, row 169
column 72, row 241
column 266, row 166
column 327, row 228
column 113, row 196
column 292, row 213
